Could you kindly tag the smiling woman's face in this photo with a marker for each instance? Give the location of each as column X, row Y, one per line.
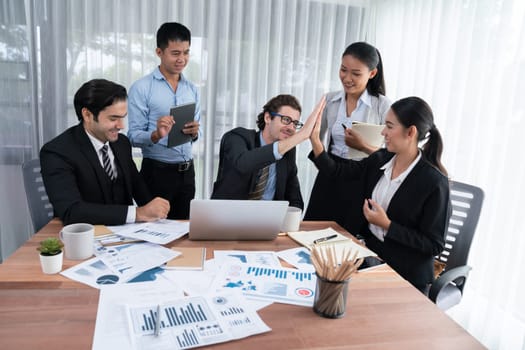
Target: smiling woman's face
column 354, row 75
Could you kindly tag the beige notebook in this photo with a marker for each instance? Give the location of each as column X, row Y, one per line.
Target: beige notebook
column 372, row 135
column 101, row 231
column 329, row 236
column 191, row 258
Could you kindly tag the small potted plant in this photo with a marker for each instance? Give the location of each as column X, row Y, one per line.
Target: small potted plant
column 51, row 255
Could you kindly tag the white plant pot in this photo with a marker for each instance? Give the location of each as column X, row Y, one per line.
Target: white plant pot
column 51, row 264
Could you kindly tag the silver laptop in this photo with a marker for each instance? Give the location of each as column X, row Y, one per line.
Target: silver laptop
column 226, row 220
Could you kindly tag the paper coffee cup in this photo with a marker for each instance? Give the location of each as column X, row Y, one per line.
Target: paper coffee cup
column 78, row 241
column 292, row 220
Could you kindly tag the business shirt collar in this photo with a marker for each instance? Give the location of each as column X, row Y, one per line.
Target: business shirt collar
column 157, row 74
column 364, row 98
column 97, row 144
column 387, row 168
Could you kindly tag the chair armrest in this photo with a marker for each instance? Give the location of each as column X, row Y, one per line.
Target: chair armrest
column 447, row 277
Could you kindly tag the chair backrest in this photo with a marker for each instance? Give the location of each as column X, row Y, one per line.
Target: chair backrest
column 466, row 208
column 39, row 207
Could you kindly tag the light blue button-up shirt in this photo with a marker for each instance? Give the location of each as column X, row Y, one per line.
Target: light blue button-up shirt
column 150, row 98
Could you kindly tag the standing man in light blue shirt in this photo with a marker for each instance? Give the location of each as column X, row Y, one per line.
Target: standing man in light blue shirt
column 168, row 172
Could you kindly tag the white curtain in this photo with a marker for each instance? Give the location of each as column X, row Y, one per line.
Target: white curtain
column 467, row 59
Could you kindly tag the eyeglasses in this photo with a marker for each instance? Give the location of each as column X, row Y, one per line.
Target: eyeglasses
column 286, row 120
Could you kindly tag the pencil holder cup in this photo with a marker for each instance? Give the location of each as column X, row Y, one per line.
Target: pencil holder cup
column 330, row 297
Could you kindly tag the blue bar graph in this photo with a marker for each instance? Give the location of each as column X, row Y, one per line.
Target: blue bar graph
column 232, row 311
column 279, row 273
column 149, row 319
column 185, row 314
column 179, row 314
column 152, row 233
column 240, row 322
column 187, row 339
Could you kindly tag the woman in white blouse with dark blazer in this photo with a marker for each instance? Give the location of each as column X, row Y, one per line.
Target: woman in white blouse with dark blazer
column 362, row 99
column 405, row 191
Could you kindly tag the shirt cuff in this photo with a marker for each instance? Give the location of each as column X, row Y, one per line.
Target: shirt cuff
column 132, row 214
column 276, row 153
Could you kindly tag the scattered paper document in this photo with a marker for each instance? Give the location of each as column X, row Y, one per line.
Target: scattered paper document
column 192, row 322
column 281, row 285
column 266, row 258
column 194, row 282
column 159, row 232
column 111, row 328
column 127, row 318
column 298, row 257
column 199, row 282
column 96, row 274
column 129, row 260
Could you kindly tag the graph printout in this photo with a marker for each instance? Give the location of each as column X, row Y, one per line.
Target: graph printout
column 192, row 322
column 282, row 285
column 158, row 232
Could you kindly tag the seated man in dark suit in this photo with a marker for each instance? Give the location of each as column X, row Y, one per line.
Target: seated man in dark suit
column 261, row 165
column 88, row 170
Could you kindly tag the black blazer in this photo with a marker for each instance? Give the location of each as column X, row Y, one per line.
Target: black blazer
column 419, row 212
column 241, row 158
column 77, row 184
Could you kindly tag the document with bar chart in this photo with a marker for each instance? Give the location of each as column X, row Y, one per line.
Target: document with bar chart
column 158, row 232
column 192, row 322
column 281, row 285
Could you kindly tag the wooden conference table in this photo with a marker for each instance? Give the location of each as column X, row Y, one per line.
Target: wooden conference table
column 39, row 311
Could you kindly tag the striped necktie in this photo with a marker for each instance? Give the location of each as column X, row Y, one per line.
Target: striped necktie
column 107, row 162
column 258, row 191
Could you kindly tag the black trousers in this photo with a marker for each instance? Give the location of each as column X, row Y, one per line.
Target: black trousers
column 173, row 182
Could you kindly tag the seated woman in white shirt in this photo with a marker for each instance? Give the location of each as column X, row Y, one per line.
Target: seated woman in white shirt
column 405, row 191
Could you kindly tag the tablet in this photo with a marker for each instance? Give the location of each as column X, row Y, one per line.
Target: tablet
column 181, row 114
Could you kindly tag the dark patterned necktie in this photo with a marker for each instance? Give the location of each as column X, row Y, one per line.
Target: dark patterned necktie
column 258, row 191
column 107, row 162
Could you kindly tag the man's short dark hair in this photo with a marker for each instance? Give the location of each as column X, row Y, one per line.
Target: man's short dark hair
column 274, row 104
column 97, row 94
column 172, row 31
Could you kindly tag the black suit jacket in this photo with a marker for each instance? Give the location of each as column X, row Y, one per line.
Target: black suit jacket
column 419, row 211
column 77, row 184
column 242, row 157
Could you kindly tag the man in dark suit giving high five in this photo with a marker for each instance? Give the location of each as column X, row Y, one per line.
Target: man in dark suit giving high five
column 88, row 170
column 261, row 165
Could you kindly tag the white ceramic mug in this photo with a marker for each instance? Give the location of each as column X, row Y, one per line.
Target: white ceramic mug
column 292, row 220
column 78, row 241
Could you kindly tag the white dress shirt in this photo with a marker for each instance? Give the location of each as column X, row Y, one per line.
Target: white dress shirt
column 97, row 144
column 385, row 189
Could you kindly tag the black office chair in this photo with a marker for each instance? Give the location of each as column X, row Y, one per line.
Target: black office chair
column 39, row 207
column 447, row 289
